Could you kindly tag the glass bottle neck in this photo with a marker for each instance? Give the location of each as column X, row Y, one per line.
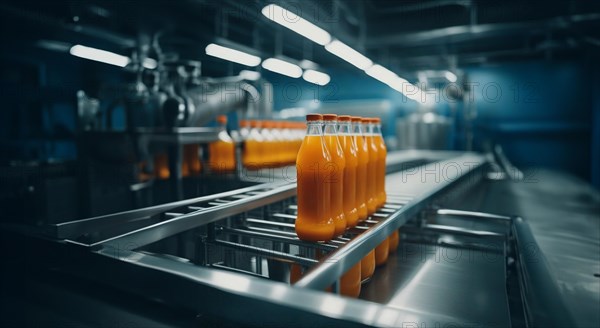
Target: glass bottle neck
column 377, row 129
column 330, row 128
column 345, row 128
column 357, row 128
column 314, row 128
column 368, row 129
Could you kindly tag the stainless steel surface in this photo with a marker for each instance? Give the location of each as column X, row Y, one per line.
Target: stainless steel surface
column 562, row 213
column 72, row 229
column 197, row 218
column 180, row 136
column 542, row 302
column 268, row 303
column 465, row 285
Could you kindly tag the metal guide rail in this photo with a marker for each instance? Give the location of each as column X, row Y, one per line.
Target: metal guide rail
column 199, row 247
column 259, row 220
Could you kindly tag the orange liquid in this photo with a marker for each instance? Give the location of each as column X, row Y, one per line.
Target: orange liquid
column 336, row 181
column 194, row 159
column 350, row 282
column 251, row 154
column 382, row 251
column 361, row 177
column 161, row 166
column 394, row 241
column 222, row 156
column 295, row 273
column 372, row 175
column 380, row 183
column 314, row 222
column 367, row 266
column 349, row 198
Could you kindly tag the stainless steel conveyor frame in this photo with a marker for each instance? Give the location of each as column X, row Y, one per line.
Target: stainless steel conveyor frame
column 201, row 285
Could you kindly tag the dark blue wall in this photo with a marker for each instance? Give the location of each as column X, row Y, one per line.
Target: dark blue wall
column 540, row 112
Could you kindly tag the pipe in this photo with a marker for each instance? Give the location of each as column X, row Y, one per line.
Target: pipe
column 211, row 100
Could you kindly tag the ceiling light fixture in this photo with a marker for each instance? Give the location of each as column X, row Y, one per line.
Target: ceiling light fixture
column 316, row 77
column 282, row 67
column 232, row 55
column 99, row 55
column 296, row 23
column 348, row 54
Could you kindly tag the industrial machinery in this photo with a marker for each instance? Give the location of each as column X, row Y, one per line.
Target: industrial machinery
column 226, row 257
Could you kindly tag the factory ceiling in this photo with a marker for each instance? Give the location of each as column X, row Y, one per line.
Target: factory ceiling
column 405, row 36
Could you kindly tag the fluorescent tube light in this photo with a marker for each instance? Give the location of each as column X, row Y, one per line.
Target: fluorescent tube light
column 316, row 77
column 348, row 54
column 99, row 55
column 249, row 75
column 232, row 55
column 411, row 91
column 382, row 74
column 296, row 23
column 282, row 67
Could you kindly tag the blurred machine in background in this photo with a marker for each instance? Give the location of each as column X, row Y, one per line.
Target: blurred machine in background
column 112, row 214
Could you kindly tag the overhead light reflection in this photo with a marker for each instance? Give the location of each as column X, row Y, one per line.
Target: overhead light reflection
column 249, row 75
column 450, row 76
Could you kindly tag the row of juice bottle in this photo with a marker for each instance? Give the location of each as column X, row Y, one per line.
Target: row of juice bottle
column 265, row 144
column 270, row 143
column 341, row 168
column 221, row 155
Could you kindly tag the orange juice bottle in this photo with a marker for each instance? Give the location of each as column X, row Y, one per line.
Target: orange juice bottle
column 252, row 153
column 295, row 273
column 382, row 251
column 336, row 173
column 244, row 129
column 394, row 239
column 293, row 136
column 350, row 282
column 222, row 151
column 268, row 148
column 191, row 160
column 277, row 146
column 371, row 166
column 314, row 221
column 367, row 266
column 380, row 183
column 351, row 157
column 361, row 169
column 161, row 166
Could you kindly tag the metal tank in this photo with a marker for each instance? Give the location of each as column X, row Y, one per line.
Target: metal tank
column 424, row 130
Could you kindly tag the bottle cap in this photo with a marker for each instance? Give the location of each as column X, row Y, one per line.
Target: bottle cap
column 344, row 118
column 222, row 119
column 314, row 117
column 356, row 118
column 329, row 117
